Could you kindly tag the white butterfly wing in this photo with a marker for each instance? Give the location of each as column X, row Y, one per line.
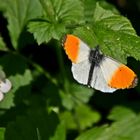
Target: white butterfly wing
column 99, row 82
column 80, row 71
column 81, row 74
column 108, row 66
column 84, row 51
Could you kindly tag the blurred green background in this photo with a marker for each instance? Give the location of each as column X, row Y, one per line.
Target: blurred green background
column 45, row 102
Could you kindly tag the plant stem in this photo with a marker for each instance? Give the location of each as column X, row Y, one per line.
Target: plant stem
column 64, row 81
column 48, row 8
column 37, row 67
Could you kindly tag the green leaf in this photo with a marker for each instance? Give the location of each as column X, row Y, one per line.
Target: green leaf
column 63, row 11
column 81, row 118
column 115, row 32
column 81, row 93
column 2, row 5
column 120, row 112
column 2, row 132
column 85, row 116
column 17, row 71
column 111, row 32
column 17, row 82
column 127, row 127
column 58, row 15
column 36, row 124
column 67, row 100
column 44, row 31
column 112, row 21
column 23, row 129
column 18, row 13
column 21, row 80
column 125, row 44
column 89, row 7
column 68, row 118
column 15, row 67
column 77, row 94
column 108, row 6
column 51, row 94
column 2, row 45
column 60, row 133
column 92, row 134
column 86, row 35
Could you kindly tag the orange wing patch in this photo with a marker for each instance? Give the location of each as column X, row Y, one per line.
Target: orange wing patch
column 71, row 46
column 123, row 77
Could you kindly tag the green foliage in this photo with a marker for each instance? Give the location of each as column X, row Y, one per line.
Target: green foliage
column 2, row 131
column 45, row 103
column 2, row 45
column 18, row 13
column 125, row 128
column 79, row 119
column 75, row 95
column 57, row 15
column 110, row 29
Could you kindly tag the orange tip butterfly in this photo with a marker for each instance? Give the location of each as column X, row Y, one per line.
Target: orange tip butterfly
column 5, row 85
column 92, row 68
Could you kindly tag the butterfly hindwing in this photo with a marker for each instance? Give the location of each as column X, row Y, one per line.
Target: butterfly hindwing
column 118, row 75
column 81, row 74
column 99, row 82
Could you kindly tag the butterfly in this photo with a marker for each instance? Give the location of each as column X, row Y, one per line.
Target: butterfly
column 96, row 70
